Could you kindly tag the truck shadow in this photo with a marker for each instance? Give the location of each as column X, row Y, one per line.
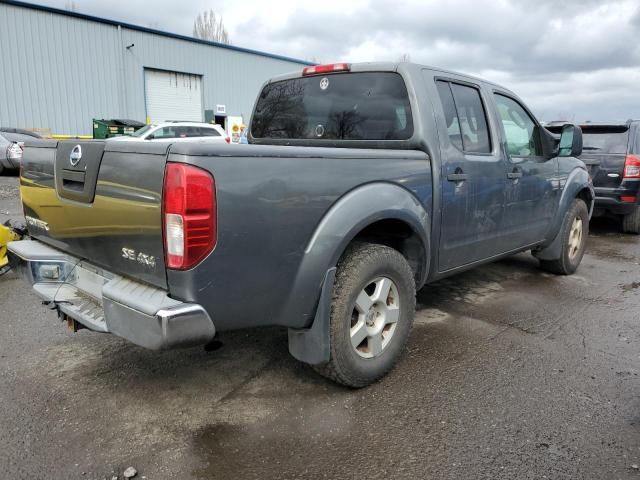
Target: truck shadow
column 478, row 285
column 252, row 389
column 247, row 354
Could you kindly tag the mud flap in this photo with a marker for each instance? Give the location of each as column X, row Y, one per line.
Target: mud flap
column 552, row 251
column 313, row 345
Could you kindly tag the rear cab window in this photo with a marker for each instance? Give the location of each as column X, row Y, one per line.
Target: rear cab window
column 339, row 106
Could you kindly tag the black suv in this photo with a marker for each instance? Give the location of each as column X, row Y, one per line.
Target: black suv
column 611, row 152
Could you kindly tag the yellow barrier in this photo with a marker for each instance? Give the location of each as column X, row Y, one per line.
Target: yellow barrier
column 6, row 235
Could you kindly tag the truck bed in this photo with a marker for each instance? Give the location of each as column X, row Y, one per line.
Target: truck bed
column 270, row 200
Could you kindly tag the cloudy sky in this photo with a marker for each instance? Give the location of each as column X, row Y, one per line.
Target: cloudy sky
column 575, row 59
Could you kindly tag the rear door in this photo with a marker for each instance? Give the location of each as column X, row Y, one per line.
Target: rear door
column 604, row 151
column 473, row 178
column 99, row 201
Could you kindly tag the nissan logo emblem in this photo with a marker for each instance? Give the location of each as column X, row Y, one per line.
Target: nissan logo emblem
column 75, row 156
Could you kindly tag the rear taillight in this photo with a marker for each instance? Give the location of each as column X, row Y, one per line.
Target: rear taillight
column 632, row 167
column 227, row 139
column 189, row 213
column 319, row 69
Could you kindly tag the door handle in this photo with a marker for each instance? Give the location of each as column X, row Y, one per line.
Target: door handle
column 514, row 175
column 457, row 177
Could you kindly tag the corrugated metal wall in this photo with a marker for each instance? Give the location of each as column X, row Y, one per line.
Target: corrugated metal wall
column 58, row 72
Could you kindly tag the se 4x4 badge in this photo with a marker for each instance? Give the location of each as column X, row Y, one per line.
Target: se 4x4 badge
column 141, row 258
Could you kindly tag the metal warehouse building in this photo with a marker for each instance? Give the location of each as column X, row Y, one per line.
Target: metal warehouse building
column 61, row 69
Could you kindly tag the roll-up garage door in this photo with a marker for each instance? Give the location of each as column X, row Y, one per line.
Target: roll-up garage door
column 173, row 96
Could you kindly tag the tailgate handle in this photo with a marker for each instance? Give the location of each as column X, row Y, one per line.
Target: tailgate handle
column 73, row 176
column 73, row 180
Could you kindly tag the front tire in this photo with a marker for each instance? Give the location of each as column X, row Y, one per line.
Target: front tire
column 573, row 235
column 372, row 312
column 631, row 221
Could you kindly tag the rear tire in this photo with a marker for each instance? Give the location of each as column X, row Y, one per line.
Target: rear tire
column 573, row 235
column 631, row 221
column 372, row 310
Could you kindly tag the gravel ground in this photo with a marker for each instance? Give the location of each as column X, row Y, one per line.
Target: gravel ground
column 510, row 373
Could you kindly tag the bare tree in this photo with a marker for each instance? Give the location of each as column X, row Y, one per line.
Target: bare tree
column 71, row 6
column 210, row 27
column 405, row 57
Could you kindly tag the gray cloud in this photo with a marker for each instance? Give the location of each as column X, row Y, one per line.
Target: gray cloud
column 577, row 56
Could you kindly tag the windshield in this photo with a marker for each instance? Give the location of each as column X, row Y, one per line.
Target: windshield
column 344, row 106
column 605, row 140
column 143, row 131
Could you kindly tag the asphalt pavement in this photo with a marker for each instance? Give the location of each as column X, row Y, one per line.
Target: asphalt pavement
column 510, row 373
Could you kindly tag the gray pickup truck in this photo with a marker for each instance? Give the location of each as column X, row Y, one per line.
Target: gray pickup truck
column 361, row 184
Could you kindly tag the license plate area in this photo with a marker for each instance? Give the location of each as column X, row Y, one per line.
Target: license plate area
column 90, row 280
column 81, row 282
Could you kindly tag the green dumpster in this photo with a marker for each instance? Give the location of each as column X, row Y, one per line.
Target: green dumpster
column 114, row 127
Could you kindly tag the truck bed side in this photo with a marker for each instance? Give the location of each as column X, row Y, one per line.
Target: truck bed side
column 270, row 202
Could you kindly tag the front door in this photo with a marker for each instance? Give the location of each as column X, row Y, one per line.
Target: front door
column 473, row 179
column 532, row 186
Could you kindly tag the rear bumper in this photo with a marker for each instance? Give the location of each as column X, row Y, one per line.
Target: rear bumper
column 609, row 199
column 105, row 302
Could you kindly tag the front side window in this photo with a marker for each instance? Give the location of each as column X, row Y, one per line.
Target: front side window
column 521, row 131
column 343, row 106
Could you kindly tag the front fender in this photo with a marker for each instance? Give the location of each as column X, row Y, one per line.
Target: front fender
column 577, row 181
column 347, row 217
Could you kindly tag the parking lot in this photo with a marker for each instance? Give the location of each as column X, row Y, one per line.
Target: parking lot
column 510, row 373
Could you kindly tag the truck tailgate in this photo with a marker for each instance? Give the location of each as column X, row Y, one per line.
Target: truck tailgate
column 99, row 201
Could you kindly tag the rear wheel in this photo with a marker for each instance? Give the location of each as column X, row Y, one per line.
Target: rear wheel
column 631, row 221
column 574, row 232
column 371, row 314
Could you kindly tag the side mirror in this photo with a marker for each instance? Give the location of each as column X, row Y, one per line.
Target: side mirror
column 150, row 137
column 570, row 141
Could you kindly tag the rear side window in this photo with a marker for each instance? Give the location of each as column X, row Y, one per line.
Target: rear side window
column 465, row 116
column 605, row 140
column 450, row 114
column 208, row 132
column 188, row 132
column 345, row 106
